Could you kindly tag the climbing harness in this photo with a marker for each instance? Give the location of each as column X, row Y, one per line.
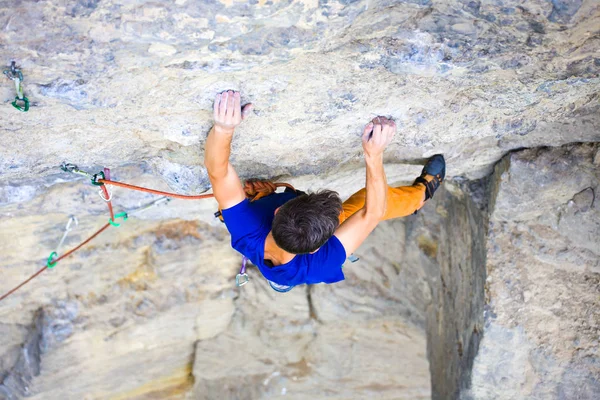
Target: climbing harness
column 16, row 76
column 103, row 180
column 256, row 189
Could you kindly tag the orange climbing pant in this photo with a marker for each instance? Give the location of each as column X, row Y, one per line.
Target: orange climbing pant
column 401, row 201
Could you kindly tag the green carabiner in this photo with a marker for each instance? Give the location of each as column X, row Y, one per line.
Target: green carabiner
column 99, row 175
column 25, row 100
column 119, row 215
column 50, row 264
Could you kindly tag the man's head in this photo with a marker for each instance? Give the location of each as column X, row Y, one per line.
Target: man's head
column 305, row 223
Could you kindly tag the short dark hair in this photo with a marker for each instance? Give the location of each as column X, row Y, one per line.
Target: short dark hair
column 305, row 223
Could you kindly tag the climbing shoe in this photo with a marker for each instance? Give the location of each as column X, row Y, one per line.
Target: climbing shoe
column 436, row 167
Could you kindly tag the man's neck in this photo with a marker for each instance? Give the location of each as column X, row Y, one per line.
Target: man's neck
column 276, row 254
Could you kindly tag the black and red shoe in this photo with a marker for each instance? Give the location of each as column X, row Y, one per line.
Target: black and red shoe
column 436, row 167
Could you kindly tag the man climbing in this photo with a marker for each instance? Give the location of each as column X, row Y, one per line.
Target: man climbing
column 304, row 238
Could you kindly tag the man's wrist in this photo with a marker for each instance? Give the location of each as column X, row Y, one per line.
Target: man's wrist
column 223, row 130
column 373, row 158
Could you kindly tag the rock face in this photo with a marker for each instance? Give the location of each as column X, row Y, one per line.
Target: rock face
column 542, row 322
column 116, row 82
column 490, row 292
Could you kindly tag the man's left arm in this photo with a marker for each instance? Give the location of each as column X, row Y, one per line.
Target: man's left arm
column 376, row 137
column 225, row 182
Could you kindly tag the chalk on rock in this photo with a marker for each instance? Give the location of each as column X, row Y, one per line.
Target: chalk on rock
column 183, row 179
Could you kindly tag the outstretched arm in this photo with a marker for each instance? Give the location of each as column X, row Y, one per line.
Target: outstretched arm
column 376, row 136
column 225, row 182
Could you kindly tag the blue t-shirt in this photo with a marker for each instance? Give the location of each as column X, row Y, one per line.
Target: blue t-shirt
column 249, row 224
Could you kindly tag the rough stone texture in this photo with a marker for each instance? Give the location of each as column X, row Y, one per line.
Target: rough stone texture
column 129, row 85
column 542, row 322
column 119, row 82
column 448, row 242
column 157, row 315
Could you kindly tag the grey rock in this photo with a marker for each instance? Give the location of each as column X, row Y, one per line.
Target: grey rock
column 583, row 200
column 447, row 240
column 182, row 178
column 529, row 178
column 543, row 273
column 504, row 259
column 17, row 382
column 564, row 10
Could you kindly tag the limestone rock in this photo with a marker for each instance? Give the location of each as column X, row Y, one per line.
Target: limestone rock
column 116, row 83
column 526, row 186
column 542, row 320
column 149, row 310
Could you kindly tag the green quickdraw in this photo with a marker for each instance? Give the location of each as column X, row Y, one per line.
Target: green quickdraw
column 95, row 177
column 119, row 215
column 16, row 75
column 25, row 106
column 51, row 263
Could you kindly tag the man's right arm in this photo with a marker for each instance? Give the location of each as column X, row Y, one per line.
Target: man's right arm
column 225, row 182
column 376, row 136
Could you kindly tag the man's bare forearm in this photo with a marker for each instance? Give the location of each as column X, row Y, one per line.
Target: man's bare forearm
column 218, row 149
column 376, row 187
column 225, row 182
column 376, row 136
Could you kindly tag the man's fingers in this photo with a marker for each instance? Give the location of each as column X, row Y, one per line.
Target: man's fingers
column 216, row 105
column 223, row 105
column 389, row 136
column 367, row 131
column 388, row 128
column 230, row 103
column 377, row 130
column 236, row 106
column 380, row 119
column 246, row 110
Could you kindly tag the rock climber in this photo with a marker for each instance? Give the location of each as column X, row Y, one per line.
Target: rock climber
column 294, row 237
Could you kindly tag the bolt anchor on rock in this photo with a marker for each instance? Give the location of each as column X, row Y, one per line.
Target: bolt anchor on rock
column 68, row 167
column 21, row 102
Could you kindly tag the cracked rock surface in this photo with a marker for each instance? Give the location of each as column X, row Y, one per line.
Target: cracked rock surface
column 542, row 321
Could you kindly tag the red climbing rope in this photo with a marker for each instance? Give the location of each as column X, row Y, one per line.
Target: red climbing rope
column 67, row 254
column 176, row 195
column 153, row 191
column 23, row 284
column 108, row 201
column 86, row 241
column 256, row 189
